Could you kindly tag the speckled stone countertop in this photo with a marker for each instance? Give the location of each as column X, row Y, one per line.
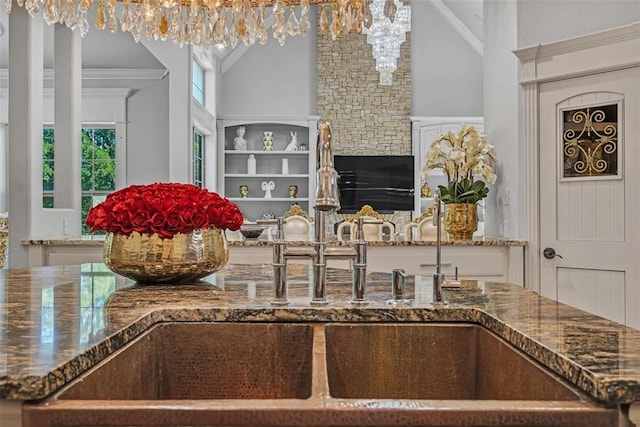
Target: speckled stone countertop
column 265, row 242
column 57, row 322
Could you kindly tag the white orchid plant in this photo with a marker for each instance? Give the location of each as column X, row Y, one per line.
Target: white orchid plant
column 462, row 156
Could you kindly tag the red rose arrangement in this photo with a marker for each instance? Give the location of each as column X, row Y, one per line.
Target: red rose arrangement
column 165, row 209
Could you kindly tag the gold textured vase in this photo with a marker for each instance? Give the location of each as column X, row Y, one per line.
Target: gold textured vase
column 183, row 258
column 460, row 220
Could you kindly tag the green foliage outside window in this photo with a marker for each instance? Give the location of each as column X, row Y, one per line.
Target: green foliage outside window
column 198, row 159
column 98, row 171
column 47, row 161
column 98, row 160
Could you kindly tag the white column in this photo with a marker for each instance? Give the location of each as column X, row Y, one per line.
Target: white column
column 3, row 167
column 121, row 150
column 529, row 136
column 178, row 60
column 25, row 133
column 68, row 124
column 504, row 205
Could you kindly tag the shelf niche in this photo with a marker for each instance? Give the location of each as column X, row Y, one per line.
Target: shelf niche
column 233, row 170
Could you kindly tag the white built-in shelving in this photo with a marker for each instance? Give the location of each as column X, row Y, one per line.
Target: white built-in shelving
column 233, row 171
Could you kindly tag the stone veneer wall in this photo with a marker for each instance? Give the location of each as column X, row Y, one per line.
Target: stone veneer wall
column 366, row 117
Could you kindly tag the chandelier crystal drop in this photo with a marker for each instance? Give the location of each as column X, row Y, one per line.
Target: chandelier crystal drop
column 391, row 20
column 204, row 23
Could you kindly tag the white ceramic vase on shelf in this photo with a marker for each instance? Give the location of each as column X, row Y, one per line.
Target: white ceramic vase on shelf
column 285, row 166
column 251, row 165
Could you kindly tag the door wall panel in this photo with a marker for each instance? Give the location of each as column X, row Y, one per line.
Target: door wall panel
column 601, row 292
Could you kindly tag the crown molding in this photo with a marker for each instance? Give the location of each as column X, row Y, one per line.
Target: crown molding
column 97, row 92
column 124, row 73
column 600, row 38
column 107, row 74
column 594, row 53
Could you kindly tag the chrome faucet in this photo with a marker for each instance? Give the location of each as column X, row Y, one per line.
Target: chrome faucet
column 327, row 193
column 438, row 276
column 327, row 200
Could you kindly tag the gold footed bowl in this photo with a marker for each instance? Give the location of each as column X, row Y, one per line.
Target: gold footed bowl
column 460, row 220
column 184, row 258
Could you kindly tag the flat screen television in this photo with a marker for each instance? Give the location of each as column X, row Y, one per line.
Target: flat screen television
column 384, row 182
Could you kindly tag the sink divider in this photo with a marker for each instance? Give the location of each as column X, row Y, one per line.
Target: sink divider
column 320, row 375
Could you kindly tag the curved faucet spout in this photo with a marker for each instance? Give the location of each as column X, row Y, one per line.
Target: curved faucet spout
column 327, row 193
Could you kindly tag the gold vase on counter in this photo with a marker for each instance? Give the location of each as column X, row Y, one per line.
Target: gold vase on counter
column 460, row 220
column 183, row 258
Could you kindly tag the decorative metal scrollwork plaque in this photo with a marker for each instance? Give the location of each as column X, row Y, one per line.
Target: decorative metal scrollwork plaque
column 590, row 142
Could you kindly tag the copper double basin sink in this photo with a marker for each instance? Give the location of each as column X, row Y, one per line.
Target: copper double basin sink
column 325, row 374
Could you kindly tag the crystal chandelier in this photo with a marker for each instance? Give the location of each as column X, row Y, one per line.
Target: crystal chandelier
column 204, row 23
column 391, row 20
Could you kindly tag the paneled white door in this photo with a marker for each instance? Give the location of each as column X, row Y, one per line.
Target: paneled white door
column 591, row 223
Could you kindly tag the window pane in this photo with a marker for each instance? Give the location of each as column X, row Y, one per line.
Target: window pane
column 198, row 159
column 87, row 203
column 47, row 202
column 197, row 79
column 98, row 168
column 48, row 162
column 87, row 175
column 47, row 175
column 104, row 175
column 105, row 143
column 197, row 172
column 47, row 143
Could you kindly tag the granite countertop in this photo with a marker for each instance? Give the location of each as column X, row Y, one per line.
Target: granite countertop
column 265, row 242
column 57, row 322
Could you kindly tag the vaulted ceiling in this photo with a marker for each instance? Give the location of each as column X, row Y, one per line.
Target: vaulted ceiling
column 101, row 49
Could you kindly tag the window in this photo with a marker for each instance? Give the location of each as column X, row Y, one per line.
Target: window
column 590, row 145
column 198, row 159
column 98, row 173
column 197, row 80
column 98, row 167
column 47, row 167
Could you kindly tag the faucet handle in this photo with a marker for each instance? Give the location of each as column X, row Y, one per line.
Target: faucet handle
column 398, row 277
column 278, row 222
column 360, row 222
column 397, row 280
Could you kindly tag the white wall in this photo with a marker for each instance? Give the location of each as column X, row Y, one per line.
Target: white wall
column 505, row 201
column 3, row 170
column 272, row 80
column 148, row 134
column 541, row 21
column 446, row 72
